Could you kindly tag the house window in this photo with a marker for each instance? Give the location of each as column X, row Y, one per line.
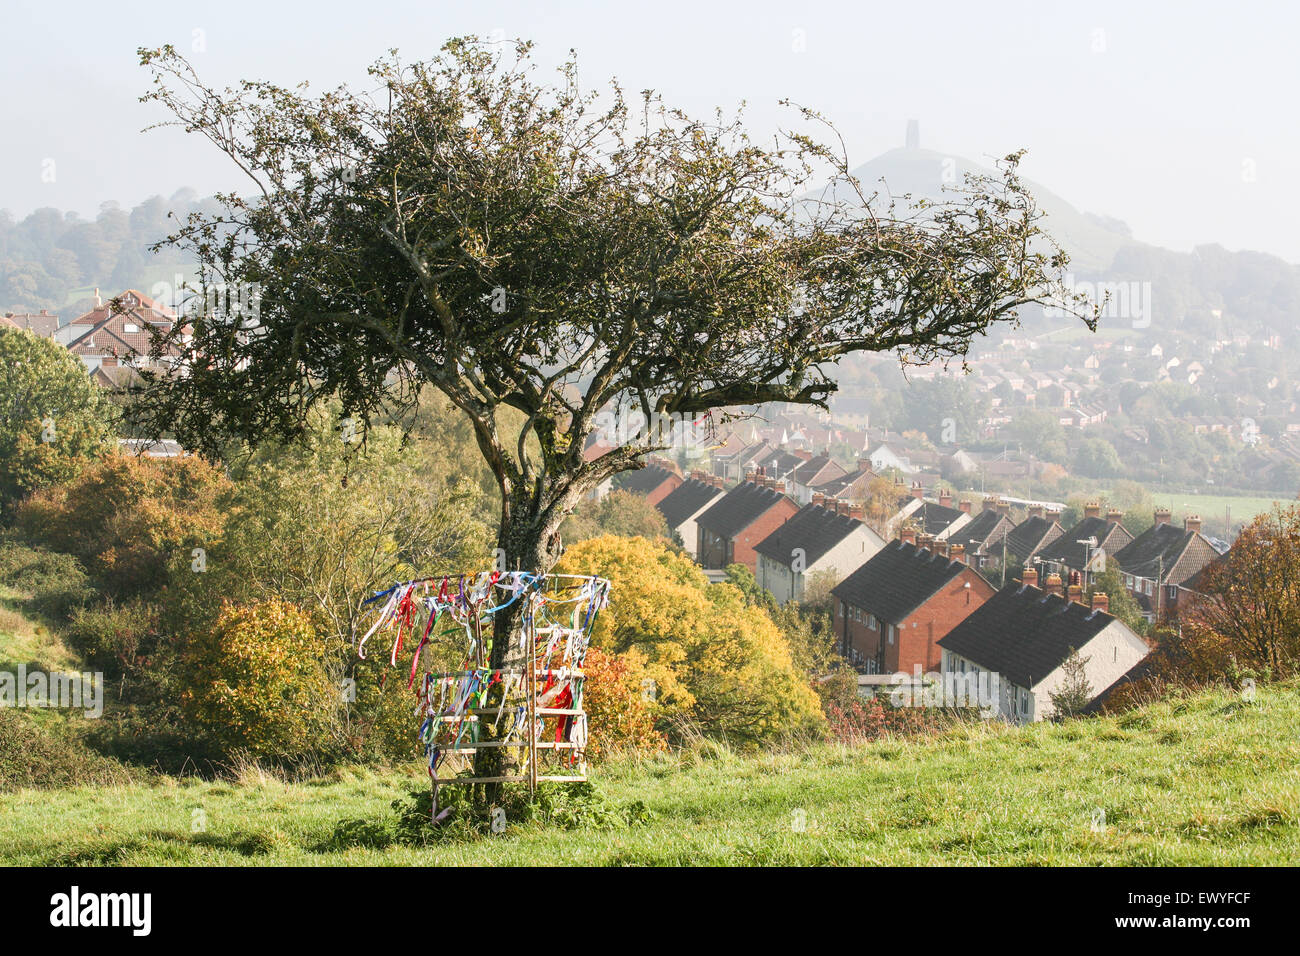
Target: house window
column 871, row 621
column 889, row 632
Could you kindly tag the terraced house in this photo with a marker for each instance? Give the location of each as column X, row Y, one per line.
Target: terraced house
column 1023, row 636
column 1158, row 564
column 830, row 539
column 891, row 612
column 731, row 527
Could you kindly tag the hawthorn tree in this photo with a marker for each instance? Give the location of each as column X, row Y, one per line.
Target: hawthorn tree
column 540, row 255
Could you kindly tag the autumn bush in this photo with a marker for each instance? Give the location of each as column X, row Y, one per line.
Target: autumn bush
column 256, row 682
column 714, row 658
column 127, row 518
column 618, row 696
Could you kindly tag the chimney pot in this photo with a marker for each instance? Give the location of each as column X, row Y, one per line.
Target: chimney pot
column 1100, row 602
column 1004, row 507
column 945, row 498
column 1192, row 522
column 1092, row 509
column 1053, row 584
column 1114, row 516
column 855, row 511
column 1162, row 516
column 1035, row 511
column 1075, row 594
column 1029, row 576
column 958, row 553
column 917, row 491
column 907, row 534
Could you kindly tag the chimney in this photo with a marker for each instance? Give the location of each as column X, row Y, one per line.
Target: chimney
column 1035, row 511
column 1192, row 523
column 855, row 512
column 1053, row 514
column 924, row 541
column 917, row 491
column 945, row 499
column 1092, row 509
column 1100, row 602
column 958, row 553
column 1053, row 584
column 819, row 499
column 99, row 303
column 907, row 534
column 1075, row 593
column 864, row 463
column 1163, row 515
column 964, row 505
column 1004, row 507
column 1029, row 576
column 940, row 547
column 1114, row 515
column 990, row 503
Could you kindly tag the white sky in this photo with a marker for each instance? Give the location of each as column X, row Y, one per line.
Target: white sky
column 1179, row 118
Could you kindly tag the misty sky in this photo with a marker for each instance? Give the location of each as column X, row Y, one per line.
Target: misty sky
column 1179, row 118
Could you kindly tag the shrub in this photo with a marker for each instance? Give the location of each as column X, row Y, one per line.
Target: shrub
column 126, row 518
column 256, row 682
column 115, row 638
column 618, row 697
column 35, row 756
column 56, row 582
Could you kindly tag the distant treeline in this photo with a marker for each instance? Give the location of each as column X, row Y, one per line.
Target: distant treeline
column 49, row 259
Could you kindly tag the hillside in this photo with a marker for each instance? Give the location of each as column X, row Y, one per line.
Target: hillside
column 1211, row 780
column 1091, row 241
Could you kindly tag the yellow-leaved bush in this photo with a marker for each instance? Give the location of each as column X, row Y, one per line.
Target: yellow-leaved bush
column 256, row 681
column 712, row 657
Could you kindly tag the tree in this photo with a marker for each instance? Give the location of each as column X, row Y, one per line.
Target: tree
column 622, row 513
column 560, row 254
column 53, row 421
column 1251, row 596
column 1074, row 692
column 1120, row 603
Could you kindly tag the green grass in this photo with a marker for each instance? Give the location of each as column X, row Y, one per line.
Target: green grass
column 1214, row 508
column 1211, row 780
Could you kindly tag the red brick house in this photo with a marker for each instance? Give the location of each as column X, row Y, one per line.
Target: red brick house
column 729, row 530
column 891, row 613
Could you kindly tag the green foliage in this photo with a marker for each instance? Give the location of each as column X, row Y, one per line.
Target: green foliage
column 621, row 513
column 53, row 421
column 1075, row 692
column 56, row 582
column 256, row 682
column 37, row 755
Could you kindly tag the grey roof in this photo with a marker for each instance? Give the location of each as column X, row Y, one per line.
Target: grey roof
column 897, row 580
column 814, row 529
column 980, row 531
column 1158, row 551
column 685, row 500
column 643, row 480
column 1024, row 633
column 1067, row 551
column 739, row 508
column 1031, row 535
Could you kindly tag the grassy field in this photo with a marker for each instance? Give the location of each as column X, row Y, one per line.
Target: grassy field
column 1210, row 780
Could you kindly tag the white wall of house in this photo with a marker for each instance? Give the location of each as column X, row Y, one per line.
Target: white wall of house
column 1111, row 655
column 689, row 530
column 858, row 547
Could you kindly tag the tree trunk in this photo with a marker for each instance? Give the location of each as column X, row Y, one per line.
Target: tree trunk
column 529, row 541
